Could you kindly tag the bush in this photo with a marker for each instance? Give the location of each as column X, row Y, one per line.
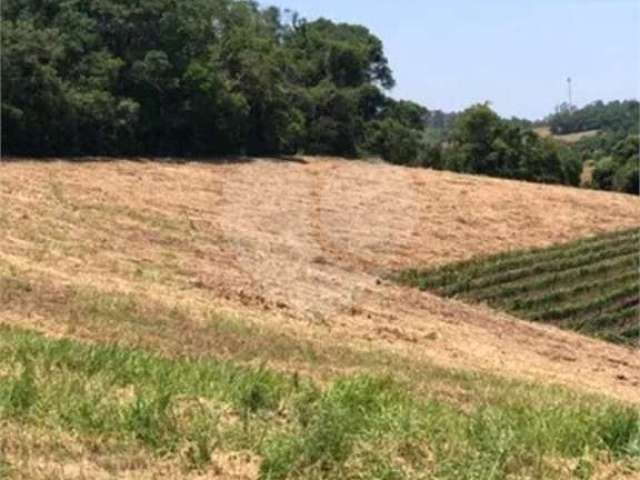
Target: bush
column 603, row 173
column 627, row 178
column 393, row 141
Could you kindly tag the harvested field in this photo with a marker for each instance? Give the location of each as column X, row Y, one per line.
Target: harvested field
column 299, row 248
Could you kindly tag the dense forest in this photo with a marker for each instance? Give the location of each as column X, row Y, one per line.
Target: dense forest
column 192, row 78
column 202, row 78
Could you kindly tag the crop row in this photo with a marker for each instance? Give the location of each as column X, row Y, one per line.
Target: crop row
column 608, row 320
column 619, row 325
column 467, row 283
column 596, row 242
column 571, row 292
column 517, row 261
column 627, row 240
column 586, row 307
column 591, row 285
column 527, row 286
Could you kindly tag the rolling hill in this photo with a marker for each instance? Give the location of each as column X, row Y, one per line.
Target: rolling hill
column 145, row 305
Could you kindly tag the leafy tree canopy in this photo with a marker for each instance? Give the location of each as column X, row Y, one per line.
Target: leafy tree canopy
column 194, row 77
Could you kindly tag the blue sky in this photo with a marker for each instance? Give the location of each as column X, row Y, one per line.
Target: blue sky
column 448, row 54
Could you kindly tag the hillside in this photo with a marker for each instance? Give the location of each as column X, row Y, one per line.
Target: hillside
column 307, row 242
column 283, row 264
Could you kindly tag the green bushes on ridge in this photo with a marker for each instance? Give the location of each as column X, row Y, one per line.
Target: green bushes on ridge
column 482, row 143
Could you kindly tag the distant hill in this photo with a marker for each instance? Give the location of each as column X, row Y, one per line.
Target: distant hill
column 617, row 116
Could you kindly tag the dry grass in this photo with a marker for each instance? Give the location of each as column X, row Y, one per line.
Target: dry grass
column 545, row 132
column 586, row 177
column 42, row 454
column 298, row 249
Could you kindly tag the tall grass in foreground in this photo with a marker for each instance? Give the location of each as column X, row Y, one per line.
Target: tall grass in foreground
column 591, row 285
column 356, row 427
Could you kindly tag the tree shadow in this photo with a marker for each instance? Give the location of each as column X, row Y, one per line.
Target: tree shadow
column 221, row 160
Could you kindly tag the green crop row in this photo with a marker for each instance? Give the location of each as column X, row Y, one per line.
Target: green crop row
column 603, row 269
column 632, row 312
column 590, row 285
column 586, row 307
column 571, row 292
column 516, row 260
column 468, row 282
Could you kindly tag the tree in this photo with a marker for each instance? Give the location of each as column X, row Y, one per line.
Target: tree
column 603, row 173
column 482, row 142
column 342, row 71
column 476, row 135
column 194, row 77
column 34, row 100
column 627, row 177
column 620, row 171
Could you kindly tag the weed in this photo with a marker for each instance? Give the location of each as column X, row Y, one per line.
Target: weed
column 5, row 467
column 151, row 421
column 22, row 393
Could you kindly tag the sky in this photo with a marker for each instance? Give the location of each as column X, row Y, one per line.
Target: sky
column 449, row 54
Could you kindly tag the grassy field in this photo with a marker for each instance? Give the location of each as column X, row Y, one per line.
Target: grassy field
column 129, row 411
column 590, row 285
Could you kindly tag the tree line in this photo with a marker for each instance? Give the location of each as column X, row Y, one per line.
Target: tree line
column 613, row 151
column 199, row 78
column 191, row 78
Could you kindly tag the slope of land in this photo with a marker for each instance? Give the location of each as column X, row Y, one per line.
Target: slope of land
column 302, row 246
column 281, row 267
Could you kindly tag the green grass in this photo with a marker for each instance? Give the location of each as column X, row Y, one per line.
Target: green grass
column 583, row 285
column 361, row 426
